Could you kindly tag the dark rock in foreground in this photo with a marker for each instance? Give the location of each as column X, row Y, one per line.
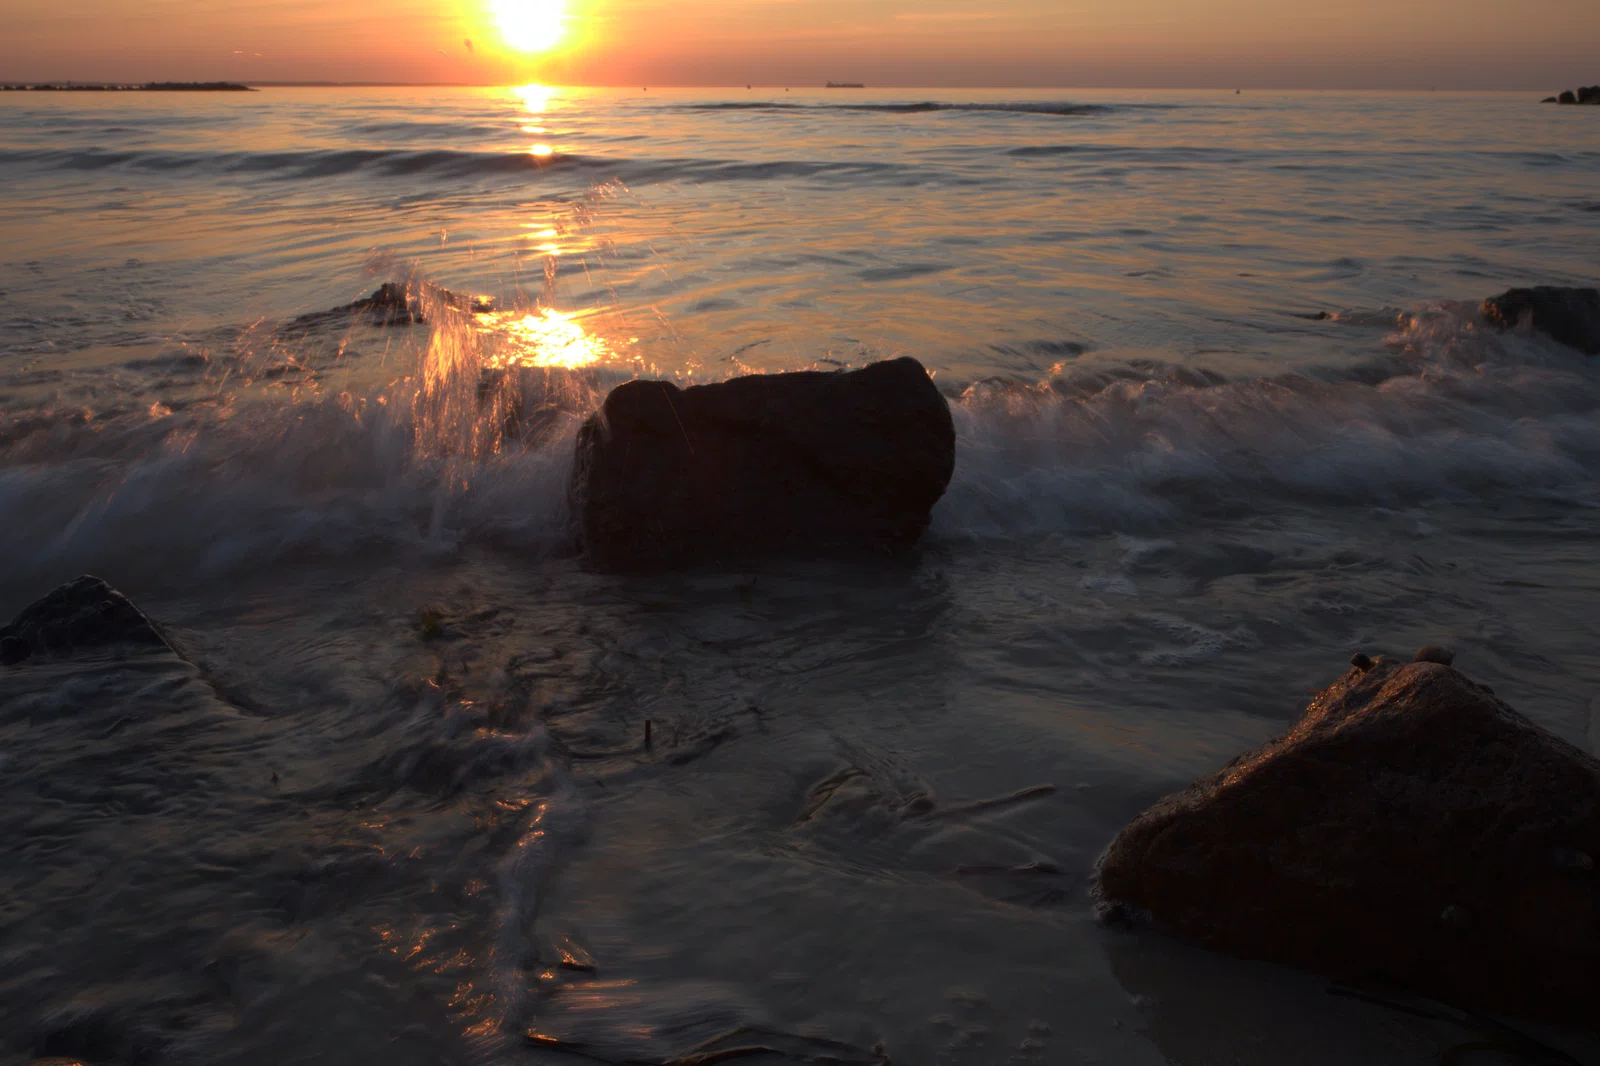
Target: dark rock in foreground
column 81, row 615
column 1568, row 315
column 1411, row 828
column 796, row 464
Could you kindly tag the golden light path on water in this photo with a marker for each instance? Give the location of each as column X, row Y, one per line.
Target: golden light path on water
column 544, row 337
column 536, row 98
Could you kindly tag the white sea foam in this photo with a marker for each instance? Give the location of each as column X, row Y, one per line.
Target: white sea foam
column 431, row 464
column 1455, row 413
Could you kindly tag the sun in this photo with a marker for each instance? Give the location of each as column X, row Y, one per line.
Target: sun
column 530, row 25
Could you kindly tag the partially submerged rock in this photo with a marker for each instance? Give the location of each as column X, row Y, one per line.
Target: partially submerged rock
column 1568, row 315
column 1588, row 94
column 1411, row 827
column 800, row 464
column 82, row 615
column 393, row 304
column 389, row 305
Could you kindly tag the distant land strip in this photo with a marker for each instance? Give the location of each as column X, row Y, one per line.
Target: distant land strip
column 147, row 87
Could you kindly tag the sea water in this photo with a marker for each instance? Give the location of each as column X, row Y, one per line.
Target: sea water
column 1226, row 414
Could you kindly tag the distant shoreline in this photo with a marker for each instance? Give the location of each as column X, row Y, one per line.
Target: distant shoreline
column 147, row 87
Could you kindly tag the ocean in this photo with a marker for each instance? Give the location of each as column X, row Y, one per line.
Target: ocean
column 1226, row 414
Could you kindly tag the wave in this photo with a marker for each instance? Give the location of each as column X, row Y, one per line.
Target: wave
column 924, row 107
column 466, row 165
column 1452, row 412
column 518, row 164
column 295, row 164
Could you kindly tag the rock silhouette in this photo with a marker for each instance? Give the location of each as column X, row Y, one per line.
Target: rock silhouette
column 1568, row 315
column 84, row 614
column 1410, row 828
column 796, row 464
column 390, row 304
column 1588, row 94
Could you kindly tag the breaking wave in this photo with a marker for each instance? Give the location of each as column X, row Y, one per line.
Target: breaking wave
column 431, row 465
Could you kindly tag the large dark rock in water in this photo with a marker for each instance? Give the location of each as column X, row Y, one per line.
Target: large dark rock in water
column 1568, row 315
column 1410, row 828
column 84, row 614
column 795, row 464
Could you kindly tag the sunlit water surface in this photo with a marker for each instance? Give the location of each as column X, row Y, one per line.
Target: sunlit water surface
column 397, row 800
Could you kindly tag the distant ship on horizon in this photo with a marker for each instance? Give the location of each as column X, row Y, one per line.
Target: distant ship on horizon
column 844, row 85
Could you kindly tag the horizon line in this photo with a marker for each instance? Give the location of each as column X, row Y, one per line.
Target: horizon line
column 330, row 84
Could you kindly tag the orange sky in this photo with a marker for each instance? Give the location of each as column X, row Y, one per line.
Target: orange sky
column 1527, row 44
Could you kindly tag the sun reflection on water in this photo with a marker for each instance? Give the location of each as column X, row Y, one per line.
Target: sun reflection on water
column 536, row 98
column 545, row 338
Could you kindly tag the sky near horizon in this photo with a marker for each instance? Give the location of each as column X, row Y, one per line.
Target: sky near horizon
column 1449, row 44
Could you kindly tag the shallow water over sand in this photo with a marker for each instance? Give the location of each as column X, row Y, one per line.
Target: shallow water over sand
column 397, row 799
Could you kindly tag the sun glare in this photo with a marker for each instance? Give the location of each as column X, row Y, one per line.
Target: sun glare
column 530, row 25
column 549, row 338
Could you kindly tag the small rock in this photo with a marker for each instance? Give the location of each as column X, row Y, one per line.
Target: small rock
column 1455, row 915
column 1361, row 661
column 81, row 615
column 1434, row 653
column 14, row 650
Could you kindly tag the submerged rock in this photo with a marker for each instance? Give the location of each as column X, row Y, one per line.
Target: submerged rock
column 83, row 614
column 801, row 464
column 1568, row 315
column 1410, row 828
